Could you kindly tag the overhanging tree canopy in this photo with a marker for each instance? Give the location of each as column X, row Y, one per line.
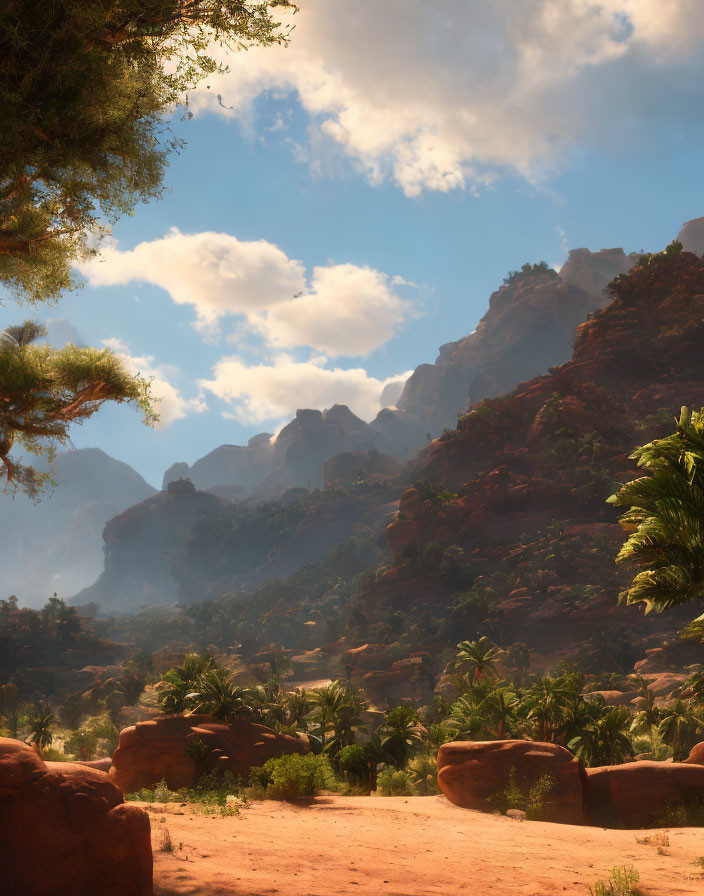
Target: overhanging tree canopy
column 43, row 390
column 84, row 86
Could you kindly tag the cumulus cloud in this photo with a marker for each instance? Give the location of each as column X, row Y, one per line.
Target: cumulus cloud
column 447, row 95
column 214, row 272
column 349, row 310
column 276, row 390
column 345, row 309
column 172, row 405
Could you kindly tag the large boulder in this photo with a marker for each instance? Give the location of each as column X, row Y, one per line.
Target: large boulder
column 473, row 774
column 66, row 830
column 696, row 754
column 179, row 749
column 637, row 794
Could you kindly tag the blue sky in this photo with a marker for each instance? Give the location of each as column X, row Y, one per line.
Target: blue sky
column 393, row 188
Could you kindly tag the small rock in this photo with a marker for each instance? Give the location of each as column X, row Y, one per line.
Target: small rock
column 516, row 814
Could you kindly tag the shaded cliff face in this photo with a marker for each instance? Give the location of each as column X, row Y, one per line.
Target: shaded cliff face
column 56, row 545
column 530, row 325
column 142, row 544
column 511, row 527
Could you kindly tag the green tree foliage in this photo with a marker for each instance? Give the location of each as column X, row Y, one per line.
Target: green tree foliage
column 84, row 90
column 39, row 722
column 44, row 390
column 665, row 518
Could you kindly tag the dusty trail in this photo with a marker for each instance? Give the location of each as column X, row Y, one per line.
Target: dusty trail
column 416, row 846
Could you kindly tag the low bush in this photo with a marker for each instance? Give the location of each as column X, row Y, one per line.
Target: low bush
column 681, row 815
column 295, row 776
column 622, row 882
column 394, row 782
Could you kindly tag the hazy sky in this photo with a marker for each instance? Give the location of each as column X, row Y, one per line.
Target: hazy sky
column 347, row 204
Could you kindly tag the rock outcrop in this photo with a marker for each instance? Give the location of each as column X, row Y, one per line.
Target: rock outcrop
column 359, row 466
column 531, row 324
column 142, row 544
column 517, row 511
column 66, row 830
column 639, row 794
column 179, row 749
column 476, row 775
column 593, row 271
column 692, row 236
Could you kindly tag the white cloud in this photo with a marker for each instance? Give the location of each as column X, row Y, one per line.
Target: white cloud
column 214, row 272
column 273, row 391
column 345, row 310
column 444, row 95
column 172, row 406
column 349, row 310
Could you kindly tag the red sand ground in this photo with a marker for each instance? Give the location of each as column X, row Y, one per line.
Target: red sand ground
column 416, row 846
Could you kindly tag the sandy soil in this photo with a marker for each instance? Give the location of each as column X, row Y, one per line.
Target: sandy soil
column 417, row 846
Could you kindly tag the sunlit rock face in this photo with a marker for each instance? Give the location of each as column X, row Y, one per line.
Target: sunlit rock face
column 529, row 327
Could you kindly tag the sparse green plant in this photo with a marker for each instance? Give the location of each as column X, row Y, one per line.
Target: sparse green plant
column 166, row 844
column 621, row 882
column 529, row 796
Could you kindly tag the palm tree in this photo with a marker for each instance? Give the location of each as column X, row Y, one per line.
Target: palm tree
column 499, row 710
column 477, row 658
column 680, row 723
column 40, row 722
column 401, row 734
column 176, row 683
column 648, row 715
column 215, row 693
column 465, row 720
column 605, row 740
column 337, row 710
column 665, row 518
column 546, row 705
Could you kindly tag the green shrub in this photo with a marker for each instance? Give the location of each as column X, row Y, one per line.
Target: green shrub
column 197, row 749
column 394, row 782
column 529, row 796
column 681, row 815
column 423, row 775
column 295, row 776
column 621, row 882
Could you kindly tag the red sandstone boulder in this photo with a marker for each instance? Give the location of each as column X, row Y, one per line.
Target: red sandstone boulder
column 66, row 830
column 472, row 774
column 159, row 749
column 696, row 755
column 636, row 795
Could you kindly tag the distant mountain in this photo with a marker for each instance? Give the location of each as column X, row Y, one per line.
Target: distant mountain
column 529, row 326
column 692, row 236
column 55, row 545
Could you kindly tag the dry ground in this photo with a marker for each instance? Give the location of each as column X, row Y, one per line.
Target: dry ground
column 415, row 846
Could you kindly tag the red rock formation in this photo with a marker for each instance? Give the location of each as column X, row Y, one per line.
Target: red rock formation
column 696, row 754
column 637, row 794
column 530, row 473
column 159, row 749
column 66, row 830
column 474, row 774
